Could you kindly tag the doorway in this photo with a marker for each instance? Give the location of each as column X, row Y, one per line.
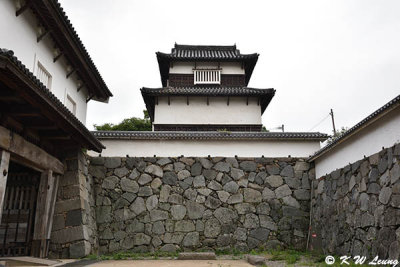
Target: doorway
column 17, row 223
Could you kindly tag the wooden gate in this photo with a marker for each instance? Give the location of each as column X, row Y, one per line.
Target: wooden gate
column 16, row 229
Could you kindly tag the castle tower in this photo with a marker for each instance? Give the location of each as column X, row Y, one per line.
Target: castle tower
column 205, row 89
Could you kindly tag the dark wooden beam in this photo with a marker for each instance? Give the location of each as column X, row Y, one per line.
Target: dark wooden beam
column 208, row 101
column 19, row 110
column 7, row 95
column 43, row 127
column 70, row 73
column 80, row 87
column 17, row 145
column 40, row 37
column 227, row 103
column 57, row 57
column 89, row 98
column 23, row 8
column 247, row 101
column 57, row 137
column 25, row 114
column 11, row 123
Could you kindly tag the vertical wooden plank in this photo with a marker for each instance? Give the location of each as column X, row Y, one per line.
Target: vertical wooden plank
column 52, row 205
column 4, row 164
column 44, row 212
column 40, row 221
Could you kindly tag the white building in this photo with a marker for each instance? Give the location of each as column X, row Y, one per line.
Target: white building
column 381, row 129
column 43, row 39
column 205, row 108
column 46, row 80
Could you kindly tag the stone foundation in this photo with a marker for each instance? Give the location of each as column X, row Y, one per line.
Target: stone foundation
column 169, row 204
column 356, row 209
column 74, row 231
column 107, row 205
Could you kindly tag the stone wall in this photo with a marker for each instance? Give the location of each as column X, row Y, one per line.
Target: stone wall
column 74, row 231
column 356, row 209
column 169, row 204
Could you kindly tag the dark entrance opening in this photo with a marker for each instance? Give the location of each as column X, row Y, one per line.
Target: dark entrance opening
column 17, row 223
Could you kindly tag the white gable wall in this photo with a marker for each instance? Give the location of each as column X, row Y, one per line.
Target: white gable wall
column 19, row 34
column 198, row 112
column 385, row 132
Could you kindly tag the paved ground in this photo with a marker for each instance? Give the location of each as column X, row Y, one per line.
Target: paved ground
column 173, row 263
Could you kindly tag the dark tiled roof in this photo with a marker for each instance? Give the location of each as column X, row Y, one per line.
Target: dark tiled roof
column 149, row 94
column 8, row 56
column 210, row 91
column 395, row 102
column 43, row 7
column 205, row 53
column 159, row 135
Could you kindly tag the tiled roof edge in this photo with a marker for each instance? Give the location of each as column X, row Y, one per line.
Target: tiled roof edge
column 225, row 89
column 186, row 135
column 9, row 55
column 81, row 46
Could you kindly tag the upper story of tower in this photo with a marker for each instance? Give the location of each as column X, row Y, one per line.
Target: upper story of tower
column 204, row 88
column 210, row 65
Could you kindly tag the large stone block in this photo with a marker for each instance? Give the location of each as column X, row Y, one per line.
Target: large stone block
column 248, row 166
column 155, row 170
column 113, row 162
column 158, row 215
column 212, row 228
column 231, row 187
column 225, row 215
column 178, row 212
column 79, row 249
column 283, row 191
column 103, row 214
column 191, row 239
column 170, row 178
column 74, row 218
column 274, row 180
column 69, row 235
column 196, row 169
column 222, row 167
column 184, row 226
column 194, row 210
column 110, row 182
column 301, row 166
column 69, row 204
column 251, row 195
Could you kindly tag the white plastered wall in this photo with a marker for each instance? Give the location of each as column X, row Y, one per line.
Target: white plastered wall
column 203, row 148
column 385, row 132
column 187, row 67
column 19, row 34
column 198, row 112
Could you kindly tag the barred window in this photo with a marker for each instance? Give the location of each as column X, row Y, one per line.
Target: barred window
column 43, row 75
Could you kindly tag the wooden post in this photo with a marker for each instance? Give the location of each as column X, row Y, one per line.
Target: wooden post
column 4, row 163
column 44, row 213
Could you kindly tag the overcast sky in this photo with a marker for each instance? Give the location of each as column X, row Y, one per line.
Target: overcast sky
column 316, row 54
